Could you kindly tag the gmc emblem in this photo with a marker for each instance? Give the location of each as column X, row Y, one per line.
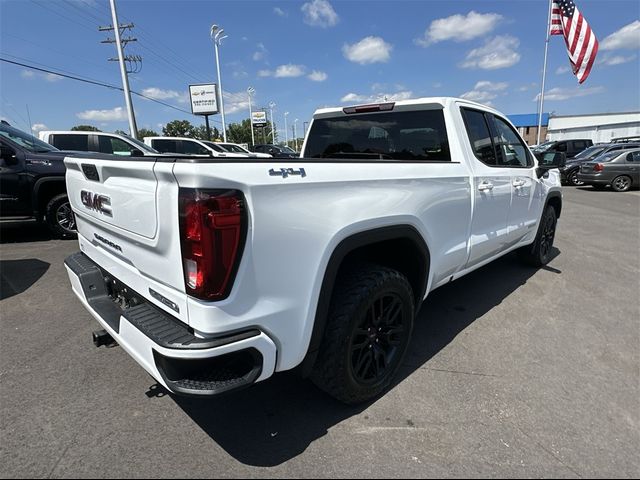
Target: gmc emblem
column 94, row 201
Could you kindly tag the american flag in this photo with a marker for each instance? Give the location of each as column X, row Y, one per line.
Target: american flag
column 582, row 44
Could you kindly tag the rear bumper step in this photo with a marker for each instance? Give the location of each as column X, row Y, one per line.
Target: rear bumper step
column 167, row 348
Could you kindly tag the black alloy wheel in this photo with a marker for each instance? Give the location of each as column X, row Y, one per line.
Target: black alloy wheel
column 376, row 341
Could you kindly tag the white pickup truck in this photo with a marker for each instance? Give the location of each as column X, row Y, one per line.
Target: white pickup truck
column 215, row 274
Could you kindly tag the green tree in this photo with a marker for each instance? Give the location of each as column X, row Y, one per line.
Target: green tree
column 200, row 133
column 85, row 128
column 179, row 128
column 241, row 132
column 145, row 132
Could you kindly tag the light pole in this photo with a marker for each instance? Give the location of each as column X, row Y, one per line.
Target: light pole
column 271, row 105
column 217, row 35
column 250, row 92
column 295, row 135
column 286, row 134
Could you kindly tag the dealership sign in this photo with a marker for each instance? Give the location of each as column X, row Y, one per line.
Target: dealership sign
column 204, row 99
column 259, row 119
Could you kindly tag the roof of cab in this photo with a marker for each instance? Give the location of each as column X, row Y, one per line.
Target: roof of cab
column 433, row 102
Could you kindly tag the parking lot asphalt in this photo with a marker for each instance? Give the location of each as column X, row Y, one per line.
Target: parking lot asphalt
column 512, row 372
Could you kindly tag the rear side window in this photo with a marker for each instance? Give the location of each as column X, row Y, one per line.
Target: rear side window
column 165, row 146
column 414, row 136
column 579, row 145
column 633, row 157
column 71, row 142
column 479, row 136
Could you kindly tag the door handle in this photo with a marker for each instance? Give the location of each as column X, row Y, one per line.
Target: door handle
column 484, row 186
column 519, row 183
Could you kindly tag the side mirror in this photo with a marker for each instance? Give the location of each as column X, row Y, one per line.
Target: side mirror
column 8, row 155
column 137, row 153
column 550, row 160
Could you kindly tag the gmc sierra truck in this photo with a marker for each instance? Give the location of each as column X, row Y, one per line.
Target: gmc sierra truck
column 214, row 274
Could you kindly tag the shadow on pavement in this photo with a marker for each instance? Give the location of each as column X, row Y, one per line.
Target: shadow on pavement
column 276, row 420
column 17, row 276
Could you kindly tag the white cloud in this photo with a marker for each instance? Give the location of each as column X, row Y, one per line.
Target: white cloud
column 610, row 60
column 290, row 70
column 236, row 102
column 528, row 87
column 437, row 85
column 485, row 91
column 50, row 77
column 280, row 12
column 563, row 70
column 560, row 94
column 38, row 127
column 261, row 53
column 497, row 52
column 115, row 114
column 27, row 74
column 265, row 73
column 377, row 97
column 319, row 13
column 160, row 94
column 317, row 76
column 628, row 37
column 368, row 50
column 459, row 28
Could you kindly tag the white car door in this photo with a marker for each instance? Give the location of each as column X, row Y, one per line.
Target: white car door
column 527, row 197
column 492, row 190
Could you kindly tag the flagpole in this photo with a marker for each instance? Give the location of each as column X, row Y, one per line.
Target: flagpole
column 544, row 72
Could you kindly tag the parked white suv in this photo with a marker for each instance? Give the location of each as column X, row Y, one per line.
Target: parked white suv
column 188, row 146
column 216, row 275
column 235, row 148
column 102, row 142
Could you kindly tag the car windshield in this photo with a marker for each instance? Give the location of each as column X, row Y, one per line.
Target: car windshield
column 607, row 157
column 142, row 146
column 215, row 146
column 542, row 146
column 26, row 140
column 590, row 152
column 231, row 147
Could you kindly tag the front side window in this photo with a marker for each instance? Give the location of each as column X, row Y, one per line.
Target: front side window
column 25, row 140
column 479, row 136
column 413, row 135
column 633, row 156
column 193, row 148
column 511, row 152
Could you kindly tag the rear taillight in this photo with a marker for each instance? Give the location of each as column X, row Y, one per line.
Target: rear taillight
column 598, row 167
column 213, row 225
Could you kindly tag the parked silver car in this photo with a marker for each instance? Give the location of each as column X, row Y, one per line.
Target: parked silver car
column 620, row 170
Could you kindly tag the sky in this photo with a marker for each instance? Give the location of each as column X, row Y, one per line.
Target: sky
column 304, row 55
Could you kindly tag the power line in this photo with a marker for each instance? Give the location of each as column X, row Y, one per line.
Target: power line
column 98, row 83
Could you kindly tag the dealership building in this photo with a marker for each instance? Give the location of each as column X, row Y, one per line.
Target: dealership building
column 599, row 127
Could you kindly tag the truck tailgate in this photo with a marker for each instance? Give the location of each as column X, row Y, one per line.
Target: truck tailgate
column 127, row 216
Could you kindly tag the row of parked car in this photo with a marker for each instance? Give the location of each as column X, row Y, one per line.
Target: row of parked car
column 615, row 164
column 114, row 143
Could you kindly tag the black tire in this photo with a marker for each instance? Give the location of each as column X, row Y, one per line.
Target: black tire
column 361, row 351
column 621, row 183
column 538, row 253
column 60, row 218
column 572, row 179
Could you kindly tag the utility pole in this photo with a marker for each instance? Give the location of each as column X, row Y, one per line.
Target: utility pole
column 135, row 60
column 271, row 107
column 250, row 92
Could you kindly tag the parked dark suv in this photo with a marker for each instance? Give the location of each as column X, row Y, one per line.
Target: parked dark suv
column 276, row 151
column 32, row 182
column 569, row 147
column 569, row 173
